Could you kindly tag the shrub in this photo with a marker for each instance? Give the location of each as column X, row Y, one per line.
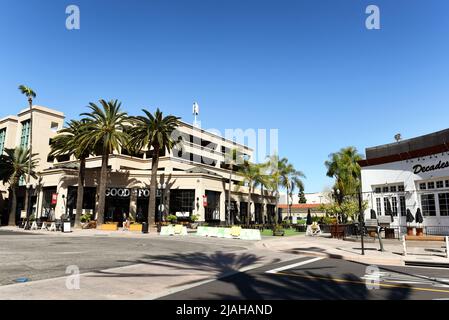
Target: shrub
column 86, row 217
column 194, row 218
column 172, row 218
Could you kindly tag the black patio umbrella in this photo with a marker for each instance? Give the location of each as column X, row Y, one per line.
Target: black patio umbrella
column 373, row 214
column 418, row 216
column 309, row 218
column 409, row 217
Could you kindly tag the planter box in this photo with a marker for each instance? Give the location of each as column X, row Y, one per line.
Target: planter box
column 420, row 232
column 135, row 227
column 109, row 227
column 410, row 231
column 279, row 233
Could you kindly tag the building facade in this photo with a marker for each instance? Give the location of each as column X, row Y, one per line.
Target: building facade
column 193, row 179
column 409, row 174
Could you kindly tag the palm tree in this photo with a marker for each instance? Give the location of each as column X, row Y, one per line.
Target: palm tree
column 290, row 178
column 30, row 94
column 233, row 158
column 252, row 176
column 14, row 164
column 67, row 142
column 344, row 167
column 153, row 131
column 105, row 132
column 274, row 167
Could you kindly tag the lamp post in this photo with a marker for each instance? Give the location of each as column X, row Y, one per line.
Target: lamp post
column 162, row 205
column 361, row 222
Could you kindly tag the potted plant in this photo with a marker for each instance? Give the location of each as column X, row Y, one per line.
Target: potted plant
column 419, row 221
column 172, row 218
column 278, row 230
column 193, row 219
column 409, row 219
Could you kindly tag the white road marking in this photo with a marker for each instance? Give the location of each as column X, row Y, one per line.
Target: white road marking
column 290, row 266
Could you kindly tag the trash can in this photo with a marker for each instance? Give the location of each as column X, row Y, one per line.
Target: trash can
column 145, row 227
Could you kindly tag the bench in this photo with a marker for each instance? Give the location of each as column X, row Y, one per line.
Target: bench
column 441, row 239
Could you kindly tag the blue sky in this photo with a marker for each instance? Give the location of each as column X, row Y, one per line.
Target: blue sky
column 309, row 68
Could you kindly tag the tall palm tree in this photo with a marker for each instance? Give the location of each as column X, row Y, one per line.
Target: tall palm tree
column 105, row 132
column 67, row 142
column 233, row 159
column 290, row 178
column 153, row 131
column 30, row 94
column 14, row 164
column 252, row 176
column 343, row 166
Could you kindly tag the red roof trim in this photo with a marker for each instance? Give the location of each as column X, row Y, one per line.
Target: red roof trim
column 300, row 206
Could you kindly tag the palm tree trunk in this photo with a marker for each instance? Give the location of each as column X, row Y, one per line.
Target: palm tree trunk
column 153, row 185
column 12, row 213
column 102, row 189
column 288, row 202
column 80, row 192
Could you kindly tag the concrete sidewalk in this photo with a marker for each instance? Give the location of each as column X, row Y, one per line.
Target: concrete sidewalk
column 351, row 250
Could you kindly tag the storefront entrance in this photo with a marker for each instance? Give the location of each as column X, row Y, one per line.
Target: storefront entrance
column 117, row 204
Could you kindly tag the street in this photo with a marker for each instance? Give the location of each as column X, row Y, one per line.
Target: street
column 122, row 266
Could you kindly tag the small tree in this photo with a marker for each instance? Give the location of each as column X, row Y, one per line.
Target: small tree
column 301, row 196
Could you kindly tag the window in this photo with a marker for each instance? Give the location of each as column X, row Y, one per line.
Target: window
column 393, row 189
column 54, row 126
column 377, row 190
column 25, row 135
column 422, row 186
column 394, row 204
column 385, row 189
column 379, row 206
column 440, row 184
column 401, row 188
column 428, row 205
column 402, row 205
column 443, row 199
column 447, row 183
column 387, row 206
column 2, row 140
column 431, row 185
column 182, row 201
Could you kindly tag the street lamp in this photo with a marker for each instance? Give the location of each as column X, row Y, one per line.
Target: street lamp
column 162, row 205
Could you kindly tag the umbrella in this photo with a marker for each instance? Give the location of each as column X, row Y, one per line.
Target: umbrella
column 409, row 217
column 419, row 217
column 309, row 218
column 373, row 214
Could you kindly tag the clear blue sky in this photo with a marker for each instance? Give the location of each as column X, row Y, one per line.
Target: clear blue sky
column 309, row 68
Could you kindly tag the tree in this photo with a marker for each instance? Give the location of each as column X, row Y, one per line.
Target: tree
column 252, row 176
column 153, row 131
column 14, row 164
column 301, row 196
column 290, row 178
column 233, row 159
column 105, row 132
column 30, row 94
column 344, row 167
column 68, row 142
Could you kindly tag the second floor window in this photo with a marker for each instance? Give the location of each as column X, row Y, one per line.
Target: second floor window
column 25, row 135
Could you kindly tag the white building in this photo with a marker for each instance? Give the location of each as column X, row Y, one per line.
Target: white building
column 409, row 174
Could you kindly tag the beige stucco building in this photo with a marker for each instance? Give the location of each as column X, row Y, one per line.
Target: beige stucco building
column 192, row 179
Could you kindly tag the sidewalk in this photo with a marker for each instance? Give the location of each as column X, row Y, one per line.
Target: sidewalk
column 350, row 250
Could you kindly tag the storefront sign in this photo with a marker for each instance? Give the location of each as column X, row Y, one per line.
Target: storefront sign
column 204, row 201
column 143, row 193
column 421, row 168
column 118, row 192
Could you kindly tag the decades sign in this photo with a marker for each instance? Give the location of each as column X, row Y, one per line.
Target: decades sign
column 440, row 165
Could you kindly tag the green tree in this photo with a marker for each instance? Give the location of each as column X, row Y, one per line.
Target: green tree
column 15, row 164
column 343, row 166
column 302, row 196
column 290, row 178
column 68, row 142
column 153, row 131
column 105, row 132
column 252, row 176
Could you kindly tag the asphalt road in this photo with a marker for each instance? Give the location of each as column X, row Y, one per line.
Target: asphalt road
column 38, row 257
column 325, row 279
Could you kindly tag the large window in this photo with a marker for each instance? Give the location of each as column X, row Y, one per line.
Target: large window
column 402, row 206
column 428, row 205
column 378, row 206
column 443, row 199
column 25, row 136
column 2, row 140
column 394, row 205
column 182, row 201
column 213, row 206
